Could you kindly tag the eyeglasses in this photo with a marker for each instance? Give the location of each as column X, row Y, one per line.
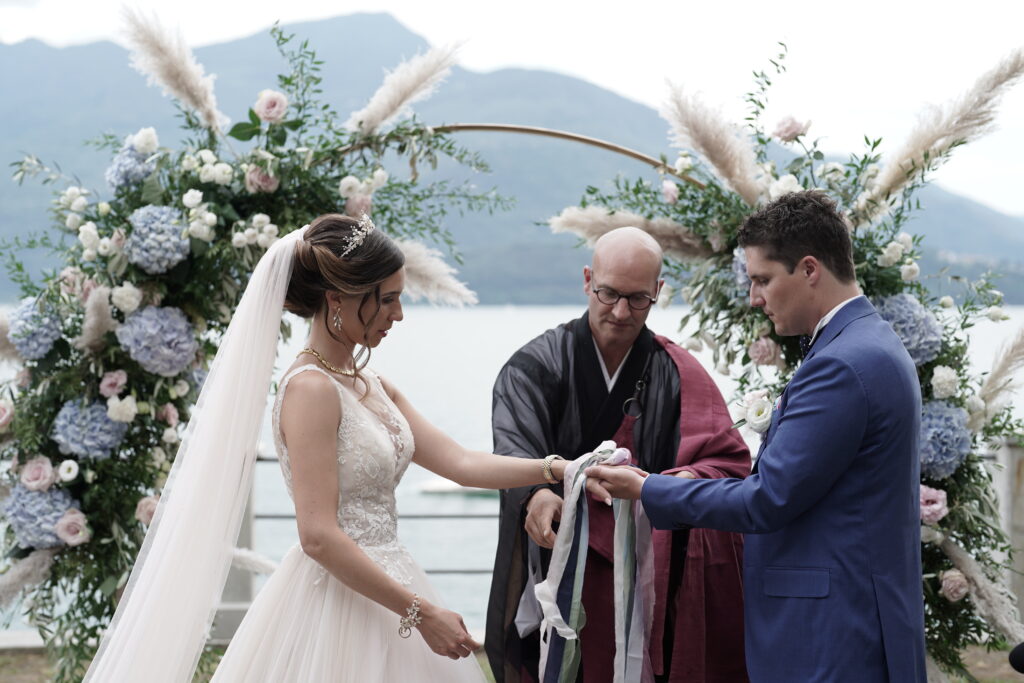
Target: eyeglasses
column 638, row 301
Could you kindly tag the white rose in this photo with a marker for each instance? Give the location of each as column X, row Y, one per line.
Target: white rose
column 264, row 241
column 89, row 255
column 906, row 240
column 238, row 240
column 88, row 235
column 158, row 456
column 944, row 381
column 182, row 387
column 910, row 271
column 759, row 415
column 192, row 198
column 891, row 255
column 693, row 344
column 270, row 229
column 206, row 156
column 783, row 186
column 380, row 178
column 683, row 164
column 145, row 141
column 210, row 218
column 79, row 204
column 996, row 314
column 789, row 129
column 122, row 409
column 103, row 208
column 72, row 193
column 975, row 405
column 170, row 435
column 126, row 298
column 271, row 106
column 259, row 220
column 68, row 470
column 250, row 235
column 189, row 163
column 223, row 173
column 349, row 186
column 73, row 221
column 207, row 173
column 105, row 247
column 947, row 302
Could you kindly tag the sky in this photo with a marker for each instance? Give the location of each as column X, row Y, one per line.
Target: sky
column 854, row 68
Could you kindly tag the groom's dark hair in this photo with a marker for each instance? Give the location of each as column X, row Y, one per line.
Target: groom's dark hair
column 801, row 224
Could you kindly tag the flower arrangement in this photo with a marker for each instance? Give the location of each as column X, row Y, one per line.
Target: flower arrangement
column 695, row 209
column 114, row 347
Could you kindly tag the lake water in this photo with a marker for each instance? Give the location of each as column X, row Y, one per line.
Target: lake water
column 445, row 361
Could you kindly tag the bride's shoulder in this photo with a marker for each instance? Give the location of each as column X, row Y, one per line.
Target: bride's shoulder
column 307, row 382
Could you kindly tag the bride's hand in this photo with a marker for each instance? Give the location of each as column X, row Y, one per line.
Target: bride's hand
column 445, row 632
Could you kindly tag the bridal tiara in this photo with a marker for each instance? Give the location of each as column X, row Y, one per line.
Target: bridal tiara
column 364, row 228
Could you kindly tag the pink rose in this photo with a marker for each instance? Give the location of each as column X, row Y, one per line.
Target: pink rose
column 73, row 528
column 146, row 508
column 71, row 280
column 271, row 106
column 765, row 352
column 954, row 585
column 38, row 474
column 258, row 180
column 359, row 204
column 113, row 383
column 6, row 414
column 670, row 191
column 789, row 129
column 168, row 413
column 933, row 504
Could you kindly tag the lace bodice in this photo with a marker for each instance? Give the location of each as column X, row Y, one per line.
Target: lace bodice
column 375, row 446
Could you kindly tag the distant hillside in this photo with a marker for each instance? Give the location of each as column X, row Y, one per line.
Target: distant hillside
column 58, row 98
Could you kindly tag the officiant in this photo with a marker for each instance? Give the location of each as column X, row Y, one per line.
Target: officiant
column 605, row 376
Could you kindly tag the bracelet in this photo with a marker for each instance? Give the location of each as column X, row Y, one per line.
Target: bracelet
column 411, row 619
column 546, row 468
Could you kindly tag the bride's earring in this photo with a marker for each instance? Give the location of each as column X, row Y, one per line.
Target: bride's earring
column 336, row 320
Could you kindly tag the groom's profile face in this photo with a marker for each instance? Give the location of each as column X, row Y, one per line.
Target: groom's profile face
column 782, row 295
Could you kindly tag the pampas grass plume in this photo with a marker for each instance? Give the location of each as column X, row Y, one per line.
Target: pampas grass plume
column 699, row 127
column 25, row 573
column 98, row 321
column 413, row 80
column 591, row 222
column 162, row 56
column 1002, row 379
column 429, row 277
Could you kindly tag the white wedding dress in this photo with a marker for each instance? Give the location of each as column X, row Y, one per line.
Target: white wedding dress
column 305, row 626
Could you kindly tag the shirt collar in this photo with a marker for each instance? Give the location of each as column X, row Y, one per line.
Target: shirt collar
column 828, row 317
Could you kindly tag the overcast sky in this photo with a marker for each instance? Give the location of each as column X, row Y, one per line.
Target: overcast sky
column 865, row 67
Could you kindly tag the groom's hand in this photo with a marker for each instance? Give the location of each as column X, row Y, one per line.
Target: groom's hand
column 605, row 482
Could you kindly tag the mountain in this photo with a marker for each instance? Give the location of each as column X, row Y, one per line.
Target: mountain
column 59, row 97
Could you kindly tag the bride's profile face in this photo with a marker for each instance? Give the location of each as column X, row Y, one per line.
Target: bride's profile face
column 376, row 327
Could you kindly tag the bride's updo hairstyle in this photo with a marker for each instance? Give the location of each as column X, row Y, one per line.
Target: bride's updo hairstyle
column 319, row 267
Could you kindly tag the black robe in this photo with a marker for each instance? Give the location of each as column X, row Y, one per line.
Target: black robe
column 551, row 397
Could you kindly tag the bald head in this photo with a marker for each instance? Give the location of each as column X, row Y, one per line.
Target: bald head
column 628, row 250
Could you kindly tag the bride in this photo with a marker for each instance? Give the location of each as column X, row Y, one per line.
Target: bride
column 347, row 603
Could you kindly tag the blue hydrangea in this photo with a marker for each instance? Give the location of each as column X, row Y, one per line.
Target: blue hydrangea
column 945, row 439
column 33, row 331
column 917, row 328
column 739, row 269
column 129, row 166
column 161, row 340
column 85, row 430
column 158, row 241
column 33, row 514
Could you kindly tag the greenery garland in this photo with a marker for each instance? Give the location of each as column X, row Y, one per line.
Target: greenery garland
column 115, row 346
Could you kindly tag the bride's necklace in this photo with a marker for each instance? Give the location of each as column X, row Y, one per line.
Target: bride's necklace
column 324, row 362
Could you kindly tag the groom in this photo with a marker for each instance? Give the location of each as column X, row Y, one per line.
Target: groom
column 832, row 560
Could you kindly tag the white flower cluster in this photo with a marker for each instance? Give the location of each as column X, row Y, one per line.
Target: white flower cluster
column 783, row 186
column 894, row 251
column 122, row 409
column 944, row 382
column 94, row 246
column 210, row 169
column 126, row 297
column 260, row 232
column 201, row 220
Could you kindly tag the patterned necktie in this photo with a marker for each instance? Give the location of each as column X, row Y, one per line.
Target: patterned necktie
column 805, row 344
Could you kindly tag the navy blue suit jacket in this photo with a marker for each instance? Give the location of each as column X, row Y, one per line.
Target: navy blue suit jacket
column 832, row 556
